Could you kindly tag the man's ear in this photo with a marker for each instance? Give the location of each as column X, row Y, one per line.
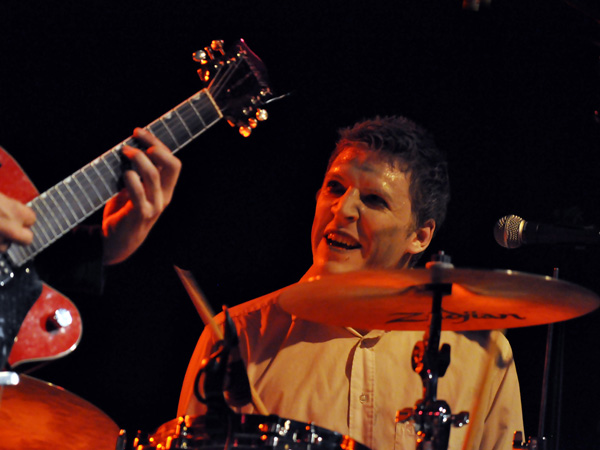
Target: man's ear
column 421, row 237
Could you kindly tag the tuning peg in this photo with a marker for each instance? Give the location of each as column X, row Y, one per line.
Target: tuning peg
column 245, row 130
column 262, row 115
column 200, row 56
column 204, row 75
column 217, row 46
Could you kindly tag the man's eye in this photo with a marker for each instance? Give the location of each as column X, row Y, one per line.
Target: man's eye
column 375, row 201
column 335, row 187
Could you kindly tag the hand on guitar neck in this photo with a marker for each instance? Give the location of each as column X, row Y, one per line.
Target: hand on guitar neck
column 237, row 90
column 30, row 307
column 128, row 217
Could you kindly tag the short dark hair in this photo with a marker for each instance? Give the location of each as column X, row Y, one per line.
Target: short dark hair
column 414, row 149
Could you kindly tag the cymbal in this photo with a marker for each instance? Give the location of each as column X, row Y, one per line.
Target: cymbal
column 401, row 300
column 36, row 415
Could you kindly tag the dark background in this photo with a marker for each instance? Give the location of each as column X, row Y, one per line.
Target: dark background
column 510, row 92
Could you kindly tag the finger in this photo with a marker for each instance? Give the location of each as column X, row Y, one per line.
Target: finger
column 168, row 165
column 23, row 214
column 14, row 210
column 146, row 184
column 15, row 221
column 135, row 189
column 169, row 168
column 148, row 139
column 12, row 231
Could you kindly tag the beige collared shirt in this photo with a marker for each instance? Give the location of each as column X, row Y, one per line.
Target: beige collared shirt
column 354, row 384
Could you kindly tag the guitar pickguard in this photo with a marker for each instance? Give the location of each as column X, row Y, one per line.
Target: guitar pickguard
column 27, row 306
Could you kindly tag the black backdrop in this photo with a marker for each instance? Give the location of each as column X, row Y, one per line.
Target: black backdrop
column 509, row 91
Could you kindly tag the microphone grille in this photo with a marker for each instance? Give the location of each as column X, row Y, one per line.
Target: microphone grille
column 506, row 231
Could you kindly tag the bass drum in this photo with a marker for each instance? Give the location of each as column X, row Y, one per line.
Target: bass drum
column 246, row 431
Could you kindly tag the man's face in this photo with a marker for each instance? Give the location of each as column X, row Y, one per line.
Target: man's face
column 363, row 217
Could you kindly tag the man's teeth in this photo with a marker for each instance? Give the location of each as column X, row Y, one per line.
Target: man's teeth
column 337, row 240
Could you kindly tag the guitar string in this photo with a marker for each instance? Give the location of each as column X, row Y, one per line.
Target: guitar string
column 214, row 90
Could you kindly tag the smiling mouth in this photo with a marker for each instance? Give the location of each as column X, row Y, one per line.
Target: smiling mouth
column 341, row 241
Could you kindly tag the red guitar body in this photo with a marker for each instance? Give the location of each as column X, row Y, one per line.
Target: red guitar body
column 39, row 338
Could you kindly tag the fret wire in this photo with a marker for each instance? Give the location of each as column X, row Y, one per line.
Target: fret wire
column 91, row 183
column 40, row 218
column 113, row 170
column 82, row 190
column 207, row 107
column 183, row 123
column 17, row 254
column 174, row 125
column 192, row 120
column 170, row 132
column 215, row 107
column 160, row 131
column 105, row 161
column 184, row 144
column 203, row 103
column 36, row 238
column 191, row 103
column 30, row 250
column 66, row 202
column 67, row 184
column 214, row 120
column 59, row 209
column 108, row 188
column 51, row 218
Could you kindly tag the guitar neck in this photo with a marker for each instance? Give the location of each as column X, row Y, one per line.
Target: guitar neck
column 70, row 202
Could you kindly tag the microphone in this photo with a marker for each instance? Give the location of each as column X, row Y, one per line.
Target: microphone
column 512, row 232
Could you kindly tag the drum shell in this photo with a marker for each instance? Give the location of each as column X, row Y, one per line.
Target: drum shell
column 246, row 431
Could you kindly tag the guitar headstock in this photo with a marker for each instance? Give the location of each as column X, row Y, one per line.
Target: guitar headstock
column 238, row 83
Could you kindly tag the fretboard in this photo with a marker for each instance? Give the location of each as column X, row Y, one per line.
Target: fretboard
column 71, row 201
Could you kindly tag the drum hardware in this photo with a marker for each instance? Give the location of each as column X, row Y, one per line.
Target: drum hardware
column 541, row 442
column 221, row 428
column 8, row 378
column 532, row 444
column 219, row 378
column 239, row 385
column 215, row 370
column 246, row 432
column 472, row 300
column 432, row 418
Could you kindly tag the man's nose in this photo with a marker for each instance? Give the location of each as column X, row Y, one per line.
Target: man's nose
column 347, row 206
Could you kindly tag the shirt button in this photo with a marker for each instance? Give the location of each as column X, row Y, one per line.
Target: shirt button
column 364, row 398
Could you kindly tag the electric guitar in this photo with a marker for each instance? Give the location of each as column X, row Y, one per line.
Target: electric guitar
column 36, row 321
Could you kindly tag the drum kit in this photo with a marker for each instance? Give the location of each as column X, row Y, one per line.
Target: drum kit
column 34, row 414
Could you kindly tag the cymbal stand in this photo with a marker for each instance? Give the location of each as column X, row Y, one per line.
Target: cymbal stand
column 432, row 417
column 541, row 442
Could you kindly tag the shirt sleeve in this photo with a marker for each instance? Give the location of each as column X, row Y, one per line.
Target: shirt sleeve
column 505, row 415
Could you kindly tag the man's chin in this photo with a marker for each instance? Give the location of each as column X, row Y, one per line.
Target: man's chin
column 336, row 267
